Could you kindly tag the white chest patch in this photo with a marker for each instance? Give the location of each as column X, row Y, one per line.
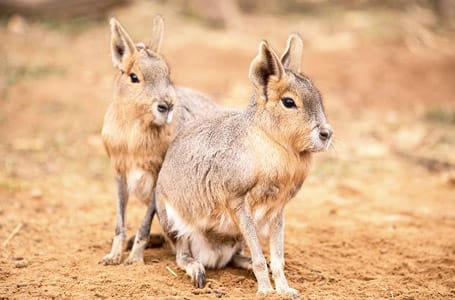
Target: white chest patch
column 210, row 254
column 140, row 183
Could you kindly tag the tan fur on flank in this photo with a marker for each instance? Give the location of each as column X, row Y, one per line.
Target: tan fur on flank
column 226, row 180
column 140, row 123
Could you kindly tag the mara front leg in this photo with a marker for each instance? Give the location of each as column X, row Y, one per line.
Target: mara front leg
column 277, row 256
column 115, row 256
column 259, row 265
column 142, row 235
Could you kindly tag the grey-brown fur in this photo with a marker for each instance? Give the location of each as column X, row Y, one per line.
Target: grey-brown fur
column 140, row 124
column 225, row 180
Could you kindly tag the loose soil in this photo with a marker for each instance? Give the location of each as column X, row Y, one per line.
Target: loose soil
column 375, row 219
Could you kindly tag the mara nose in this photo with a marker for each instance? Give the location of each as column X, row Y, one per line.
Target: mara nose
column 325, row 133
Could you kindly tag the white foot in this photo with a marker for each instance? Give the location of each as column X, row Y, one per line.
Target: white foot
column 111, row 259
column 289, row 292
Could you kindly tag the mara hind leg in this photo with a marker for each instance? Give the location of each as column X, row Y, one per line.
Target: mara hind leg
column 156, row 240
column 180, row 245
column 115, row 256
column 239, row 260
column 186, row 261
column 242, row 262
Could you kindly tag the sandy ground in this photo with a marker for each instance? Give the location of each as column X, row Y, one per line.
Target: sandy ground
column 375, row 219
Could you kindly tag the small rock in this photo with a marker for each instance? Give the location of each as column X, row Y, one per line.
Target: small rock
column 36, row 193
column 95, row 141
column 350, row 188
column 28, row 144
column 449, row 178
column 21, row 264
column 373, row 150
column 98, row 295
column 17, row 24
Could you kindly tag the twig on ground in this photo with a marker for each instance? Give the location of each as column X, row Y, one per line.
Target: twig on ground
column 385, row 290
column 171, row 271
column 12, row 234
column 382, row 288
column 432, row 165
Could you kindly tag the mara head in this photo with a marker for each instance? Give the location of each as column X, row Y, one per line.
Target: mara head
column 143, row 79
column 286, row 102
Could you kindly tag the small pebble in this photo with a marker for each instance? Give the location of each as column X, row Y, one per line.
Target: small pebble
column 17, row 24
column 21, row 264
column 36, row 193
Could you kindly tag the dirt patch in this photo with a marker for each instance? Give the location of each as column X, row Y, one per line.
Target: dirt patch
column 369, row 223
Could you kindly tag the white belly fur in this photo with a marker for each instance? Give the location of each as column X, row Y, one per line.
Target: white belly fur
column 210, row 254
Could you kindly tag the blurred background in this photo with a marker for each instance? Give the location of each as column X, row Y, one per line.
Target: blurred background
column 376, row 217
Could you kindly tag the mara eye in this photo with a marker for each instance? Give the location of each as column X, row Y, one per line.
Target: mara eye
column 162, row 108
column 288, row 102
column 134, row 78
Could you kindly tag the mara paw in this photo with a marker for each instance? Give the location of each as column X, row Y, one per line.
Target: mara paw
column 134, row 260
column 265, row 291
column 111, row 259
column 289, row 292
column 198, row 277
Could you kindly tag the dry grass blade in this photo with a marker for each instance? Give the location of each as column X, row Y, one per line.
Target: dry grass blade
column 12, row 234
column 171, row 271
column 432, row 165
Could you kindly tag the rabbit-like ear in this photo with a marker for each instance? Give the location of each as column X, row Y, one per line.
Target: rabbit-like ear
column 157, row 33
column 292, row 56
column 122, row 46
column 265, row 65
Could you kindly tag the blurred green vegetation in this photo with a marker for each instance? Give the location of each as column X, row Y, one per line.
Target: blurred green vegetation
column 440, row 114
column 73, row 26
column 13, row 73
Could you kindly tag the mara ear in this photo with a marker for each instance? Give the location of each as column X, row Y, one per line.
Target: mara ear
column 292, row 56
column 265, row 65
column 122, row 47
column 157, row 33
